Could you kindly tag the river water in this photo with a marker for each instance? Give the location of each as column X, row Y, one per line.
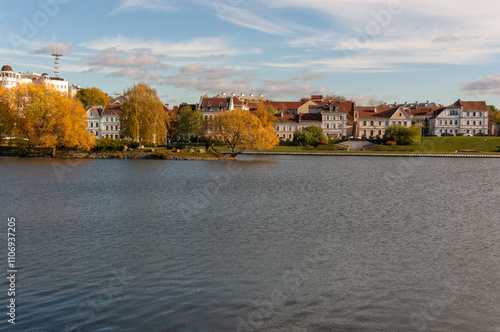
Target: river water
column 283, row 243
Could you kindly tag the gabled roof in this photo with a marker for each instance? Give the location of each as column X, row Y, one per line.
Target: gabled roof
column 221, row 103
column 310, row 117
column 288, row 118
column 472, row 105
column 97, row 109
column 378, row 113
column 112, row 109
column 287, row 105
column 421, row 111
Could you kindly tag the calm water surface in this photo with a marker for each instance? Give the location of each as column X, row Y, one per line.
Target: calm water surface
column 264, row 243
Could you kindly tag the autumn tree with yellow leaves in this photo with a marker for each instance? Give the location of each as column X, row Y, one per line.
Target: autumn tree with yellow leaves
column 142, row 116
column 39, row 115
column 242, row 130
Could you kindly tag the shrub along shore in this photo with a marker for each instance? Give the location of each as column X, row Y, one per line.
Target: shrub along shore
column 109, row 149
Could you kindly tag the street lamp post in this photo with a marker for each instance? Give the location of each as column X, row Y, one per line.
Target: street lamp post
column 485, row 145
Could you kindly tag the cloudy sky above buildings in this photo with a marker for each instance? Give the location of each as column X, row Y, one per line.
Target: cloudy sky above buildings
column 386, row 50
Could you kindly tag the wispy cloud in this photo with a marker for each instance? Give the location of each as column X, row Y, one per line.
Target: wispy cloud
column 489, row 85
column 113, row 58
column 194, row 48
column 155, row 5
column 246, row 18
column 209, row 79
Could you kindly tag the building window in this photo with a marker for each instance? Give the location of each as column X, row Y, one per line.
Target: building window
column 91, row 124
column 364, row 123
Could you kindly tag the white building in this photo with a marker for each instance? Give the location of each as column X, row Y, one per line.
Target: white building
column 9, row 78
column 463, row 117
column 104, row 123
column 373, row 121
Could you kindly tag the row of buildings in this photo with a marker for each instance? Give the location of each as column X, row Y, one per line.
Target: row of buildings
column 345, row 118
column 10, row 78
column 337, row 118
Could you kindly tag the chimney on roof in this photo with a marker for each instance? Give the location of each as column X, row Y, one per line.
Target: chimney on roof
column 406, row 103
column 223, row 93
column 375, row 110
column 251, row 95
column 261, row 95
column 243, row 95
column 233, row 94
column 281, row 114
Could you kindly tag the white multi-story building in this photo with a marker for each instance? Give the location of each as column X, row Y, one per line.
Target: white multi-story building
column 373, row 121
column 463, row 117
column 104, row 123
column 9, row 78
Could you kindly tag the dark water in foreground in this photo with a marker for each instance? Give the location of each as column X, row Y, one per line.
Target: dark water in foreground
column 265, row 243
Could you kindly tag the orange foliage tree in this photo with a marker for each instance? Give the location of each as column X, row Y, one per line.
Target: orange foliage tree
column 42, row 116
column 242, row 130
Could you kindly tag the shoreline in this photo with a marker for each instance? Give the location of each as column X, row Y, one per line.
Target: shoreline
column 120, row 155
column 368, row 154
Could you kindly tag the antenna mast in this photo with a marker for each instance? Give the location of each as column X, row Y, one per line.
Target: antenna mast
column 57, row 54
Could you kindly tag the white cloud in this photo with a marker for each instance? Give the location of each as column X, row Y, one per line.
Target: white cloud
column 54, row 48
column 195, row 48
column 154, row 5
column 112, row 58
column 210, row 80
column 489, row 85
column 246, row 18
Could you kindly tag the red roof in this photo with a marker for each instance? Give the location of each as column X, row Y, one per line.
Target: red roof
column 472, row 105
column 112, row 109
column 420, row 111
column 287, row 105
column 310, row 117
column 222, row 103
column 379, row 112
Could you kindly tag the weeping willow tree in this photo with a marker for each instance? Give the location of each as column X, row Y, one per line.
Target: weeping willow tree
column 142, row 116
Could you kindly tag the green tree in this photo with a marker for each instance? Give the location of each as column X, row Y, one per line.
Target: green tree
column 310, row 135
column 43, row 116
column 92, row 96
column 142, row 116
column 189, row 122
column 493, row 115
column 241, row 130
column 403, row 135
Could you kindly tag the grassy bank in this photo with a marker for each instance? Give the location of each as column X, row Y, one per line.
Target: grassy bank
column 446, row 145
column 428, row 145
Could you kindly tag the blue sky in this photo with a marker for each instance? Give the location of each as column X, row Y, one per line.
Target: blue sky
column 388, row 50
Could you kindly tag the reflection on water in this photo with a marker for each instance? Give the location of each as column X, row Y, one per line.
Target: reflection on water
column 275, row 242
